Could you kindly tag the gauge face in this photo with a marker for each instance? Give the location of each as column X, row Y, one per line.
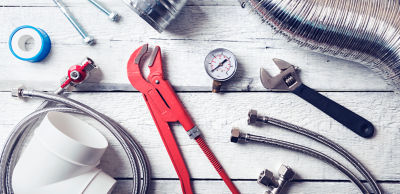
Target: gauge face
column 220, row 64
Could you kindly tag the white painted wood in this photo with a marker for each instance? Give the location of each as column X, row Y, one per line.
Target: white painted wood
column 189, row 39
column 251, row 187
column 202, row 26
column 217, row 114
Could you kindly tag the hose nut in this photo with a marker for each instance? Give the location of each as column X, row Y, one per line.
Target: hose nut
column 17, row 92
column 252, row 117
column 235, row 135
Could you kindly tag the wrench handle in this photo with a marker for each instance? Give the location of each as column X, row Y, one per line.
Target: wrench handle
column 348, row 118
column 217, row 165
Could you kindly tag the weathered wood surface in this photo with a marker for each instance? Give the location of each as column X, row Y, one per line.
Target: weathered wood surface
column 187, row 41
column 203, row 25
column 215, row 115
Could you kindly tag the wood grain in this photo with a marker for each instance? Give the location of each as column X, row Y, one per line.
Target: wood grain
column 202, row 26
column 216, row 115
column 184, row 46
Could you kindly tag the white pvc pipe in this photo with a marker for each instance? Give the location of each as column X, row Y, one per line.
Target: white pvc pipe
column 61, row 158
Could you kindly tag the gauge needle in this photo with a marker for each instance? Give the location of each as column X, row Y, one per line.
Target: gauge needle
column 219, row 65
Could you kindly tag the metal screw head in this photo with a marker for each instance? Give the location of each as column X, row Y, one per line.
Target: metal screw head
column 75, row 75
column 157, row 81
column 114, row 17
column 267, row 178
column 252, row 117
column 235, row 134
column 286, row 172
column 89, row 40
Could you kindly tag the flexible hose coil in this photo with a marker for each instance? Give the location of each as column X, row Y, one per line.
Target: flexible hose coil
column 305, row 150
column 365, row 31
column 329, row 143
column 137, row 159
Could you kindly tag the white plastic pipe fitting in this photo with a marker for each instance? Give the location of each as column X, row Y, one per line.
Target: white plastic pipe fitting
column 61, row 158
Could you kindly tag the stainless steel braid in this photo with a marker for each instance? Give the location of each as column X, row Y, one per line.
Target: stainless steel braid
column 137, row 158
column 245, row 137
column 365, row 31
column 329, row 143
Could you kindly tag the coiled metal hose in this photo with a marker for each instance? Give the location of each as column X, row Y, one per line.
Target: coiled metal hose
column 329, row 143
column 238, row 136
column 365, row 31
column 137, row 159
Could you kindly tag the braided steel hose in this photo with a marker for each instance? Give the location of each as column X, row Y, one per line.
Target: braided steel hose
column 323, row 140
column 239, row 137
column 364, row 31
column 137, row 159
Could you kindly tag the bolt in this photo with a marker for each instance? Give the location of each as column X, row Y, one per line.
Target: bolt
column 89, row 40
column 111, row 15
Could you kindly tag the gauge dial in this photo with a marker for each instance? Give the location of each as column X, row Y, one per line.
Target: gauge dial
column 220, row 64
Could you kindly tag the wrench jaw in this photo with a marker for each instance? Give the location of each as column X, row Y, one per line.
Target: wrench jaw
column 286, row 80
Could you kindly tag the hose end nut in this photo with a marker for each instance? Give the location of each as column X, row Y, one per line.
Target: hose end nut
column 235, row 135
column 17, row 92
column 252, row 117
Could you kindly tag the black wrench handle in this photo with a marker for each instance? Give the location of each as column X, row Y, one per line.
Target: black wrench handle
column 348, row 118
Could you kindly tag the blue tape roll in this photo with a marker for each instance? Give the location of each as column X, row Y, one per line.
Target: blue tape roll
column 18, row 40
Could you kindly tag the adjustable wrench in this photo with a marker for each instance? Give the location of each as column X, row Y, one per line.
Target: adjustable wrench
column 288, row 80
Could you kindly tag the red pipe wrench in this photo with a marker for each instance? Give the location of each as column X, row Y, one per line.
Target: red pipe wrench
column 165, row 107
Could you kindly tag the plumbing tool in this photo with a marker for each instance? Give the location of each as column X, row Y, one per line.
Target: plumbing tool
column 239, row 137
column 253, row 118
column 86, row 38
column 165, row 107
column 140, row 167
column 113, row 16
column 220, row 65
column 288, row 80
column 285, row 173
column 22, row 37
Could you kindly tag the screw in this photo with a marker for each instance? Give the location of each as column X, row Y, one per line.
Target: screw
column 157, row 81
column 86, row 38
column 111, row 15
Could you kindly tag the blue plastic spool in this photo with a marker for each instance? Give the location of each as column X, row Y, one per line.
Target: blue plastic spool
column 45, row 47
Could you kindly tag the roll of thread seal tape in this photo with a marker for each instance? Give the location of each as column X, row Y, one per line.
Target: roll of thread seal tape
column 24, row 35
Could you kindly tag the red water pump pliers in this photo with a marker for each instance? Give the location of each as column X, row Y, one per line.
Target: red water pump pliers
column 165, row 107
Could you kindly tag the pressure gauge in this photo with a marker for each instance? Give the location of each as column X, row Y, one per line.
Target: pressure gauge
column 221, row 65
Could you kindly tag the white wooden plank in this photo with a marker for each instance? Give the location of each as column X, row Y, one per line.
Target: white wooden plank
column 217, row 114
column 197, row 31
column 111, row 3
column 251, row 187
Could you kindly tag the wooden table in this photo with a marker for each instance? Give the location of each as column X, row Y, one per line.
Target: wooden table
column 204, row 25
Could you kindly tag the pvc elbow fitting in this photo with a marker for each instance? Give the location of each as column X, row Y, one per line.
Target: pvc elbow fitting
column 61, row 158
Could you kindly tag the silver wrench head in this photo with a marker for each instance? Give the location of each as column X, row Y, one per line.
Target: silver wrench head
column 286, row 80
